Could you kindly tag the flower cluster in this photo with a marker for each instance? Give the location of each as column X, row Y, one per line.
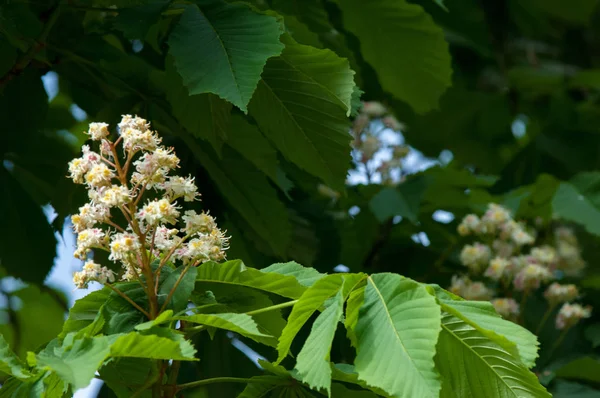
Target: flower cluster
column 368, row 125
column 92, row 272
column 570, row 314
column 505, row 261
column 155, row 228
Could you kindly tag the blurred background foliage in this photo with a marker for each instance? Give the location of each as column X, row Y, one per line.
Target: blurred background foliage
column 479, row 102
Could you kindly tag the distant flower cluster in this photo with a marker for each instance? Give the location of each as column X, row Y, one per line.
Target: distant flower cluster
column 116, row 220
column 367, row 140
column 505, row 261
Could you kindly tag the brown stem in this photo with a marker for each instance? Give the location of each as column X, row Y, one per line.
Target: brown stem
column 114, row 225
column 120, row 293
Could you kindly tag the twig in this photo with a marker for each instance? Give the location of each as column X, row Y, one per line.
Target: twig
column 120, row 293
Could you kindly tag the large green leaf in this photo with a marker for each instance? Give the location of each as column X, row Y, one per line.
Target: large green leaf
column 407, row 49
column 235, row 273
column 396, row 333
column 238, row 323
column 301, row 105
column 473, row 365
column 156, row 343
column 221, row 48
column 481, row 314
column 249, row 192
column 313, row 363
column 206, row 116
column 310, row 301
column 76, row 360
column 250, row 143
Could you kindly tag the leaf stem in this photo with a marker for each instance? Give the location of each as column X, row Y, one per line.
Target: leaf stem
column 272, row 307
column 215, row 380
column 120, row 293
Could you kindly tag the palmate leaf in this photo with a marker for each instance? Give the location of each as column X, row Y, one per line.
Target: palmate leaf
column 75, row 359
column 313, row 363
column 482, row 315
column 241, row 299
column 310, row 301
column 10, row 363
column 396, row 335
column 301, row 104
column 221, row 48
column 473, row 365
column 237, row 274
column 407, row 49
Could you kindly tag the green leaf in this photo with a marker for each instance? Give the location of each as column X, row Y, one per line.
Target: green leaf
column 407, row 49
column 574, row 202
column 301, row 105
column 238, row 323
column 592, row 333
column 183, row 291
column 205, row 116
column 578, row 12
column 586, row 368
column 347, row 373
column 221, row 48
column 10, row 363
column 236, row 273
column 156, row 343
column 339, row 390
column 250, row 143
column 249, row 192
column 484, row 318
column 313, row 363
column 84, row 311
column 38, row 321
column 164, row 317
column 135, row 22
column 390, row 202
column 355, row 302
column 125, row 376
column 76, row 360
column 121, row 316
column 274, row 386
column 567, row 389
column 310, row 301
column 475, row 365
column 397, row 328
column 23, row 226
column 305, row 275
